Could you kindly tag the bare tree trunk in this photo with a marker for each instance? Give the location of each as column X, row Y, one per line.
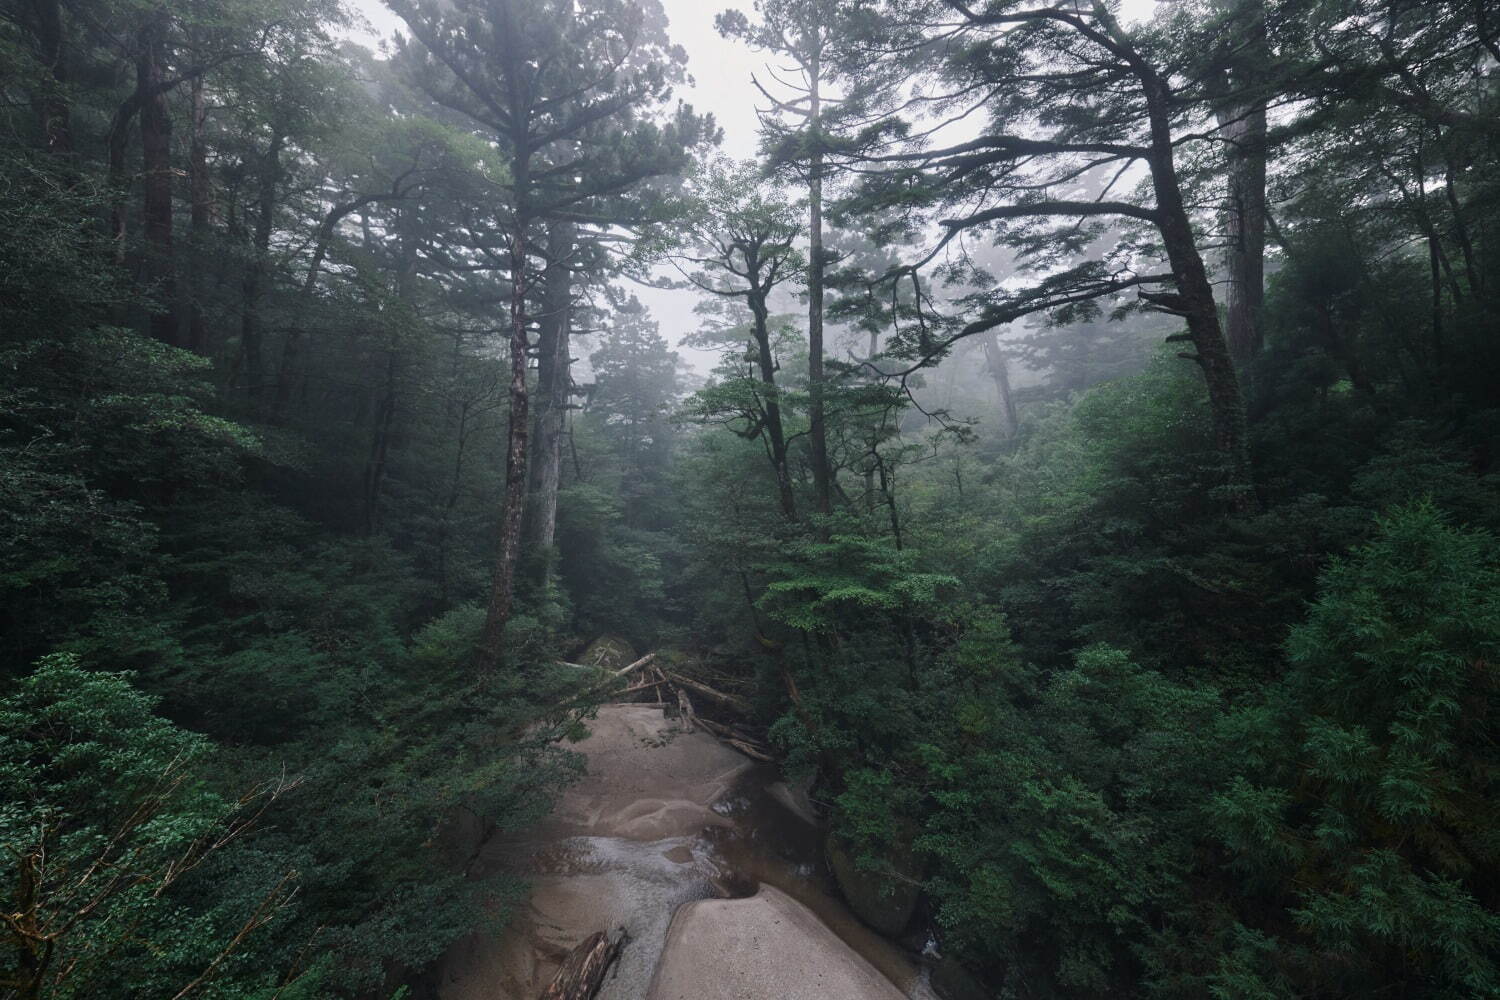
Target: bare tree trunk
column 251, row 347
column 1434, row 259
column 870, row 471
column 1472, row 271
column 201, row 196
column 54, row 115
column 1428, row 226
column 554, row 385
column 380, row 445
column 817, row 431
column 1243, row 127
column 1245, row 218
column 450, row 501
column 388, row 402
column 774, row 430
column 1194, row 300
column 502, row 587
column 888, row 493
column 582, row 972
column 156, row 153
column 118, row 141
column 291, row 348
column 994, row 360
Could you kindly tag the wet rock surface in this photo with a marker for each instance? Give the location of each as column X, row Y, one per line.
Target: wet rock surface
column 666, row 818
column 767, row 945
column 886, row 897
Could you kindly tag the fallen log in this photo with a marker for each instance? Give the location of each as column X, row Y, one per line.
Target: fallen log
column 583, row 970
column 631, row 668
column 717, row 728
column 754, row 753
column 643, row 686
column 737, row 739
column 624, row 671
column 698, row 687
column 593, row 689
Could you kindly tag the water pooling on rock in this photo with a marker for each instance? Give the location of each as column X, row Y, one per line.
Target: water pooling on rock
column 662, row 819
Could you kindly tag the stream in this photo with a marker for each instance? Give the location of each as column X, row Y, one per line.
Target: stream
column 664, row 822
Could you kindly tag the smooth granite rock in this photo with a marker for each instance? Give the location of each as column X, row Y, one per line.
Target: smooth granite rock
column 764, row 947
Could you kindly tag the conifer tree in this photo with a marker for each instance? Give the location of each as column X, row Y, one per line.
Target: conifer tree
column 571, row 92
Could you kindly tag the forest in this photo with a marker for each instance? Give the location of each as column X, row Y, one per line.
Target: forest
column 1070, row 469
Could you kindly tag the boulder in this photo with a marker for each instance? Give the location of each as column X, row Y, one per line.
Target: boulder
column 954, row 982
column 764, row 947
column 646, row 780
column 620, row 849
column 885, row 898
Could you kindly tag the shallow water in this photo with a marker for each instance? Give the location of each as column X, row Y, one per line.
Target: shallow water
column 655, row 876
column 745, row 837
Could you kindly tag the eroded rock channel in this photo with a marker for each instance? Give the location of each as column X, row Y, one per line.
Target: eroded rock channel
column 706, row 862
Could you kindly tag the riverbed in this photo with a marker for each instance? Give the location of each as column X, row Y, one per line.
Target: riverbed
column 664, row 821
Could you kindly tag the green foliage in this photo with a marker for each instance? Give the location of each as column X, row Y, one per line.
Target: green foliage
column 1060, row 827
column 613, row 571
column 1368, row 816
column 1140, row 735
column 849, row 583
column 107, row 814
column 100, row 428
column 152, row 521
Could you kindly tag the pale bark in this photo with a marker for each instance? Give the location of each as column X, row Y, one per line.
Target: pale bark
column 1245, row 219
column 582, row 972
column 502, row 585
column 994, row 360
column 554, row 385
column 1243, row 128
column 816, row 420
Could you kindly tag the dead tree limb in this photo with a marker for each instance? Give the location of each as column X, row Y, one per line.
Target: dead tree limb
column 602, row 685
column 583, row 970
column 735, row 738
column 698, row 687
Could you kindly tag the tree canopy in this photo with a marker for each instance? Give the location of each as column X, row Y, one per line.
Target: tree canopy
column 1087, row 505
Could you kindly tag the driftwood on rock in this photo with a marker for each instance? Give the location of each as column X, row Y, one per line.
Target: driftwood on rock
column 583, row 970
column 676, row 694
column 753, row 752
column 689, row 717
column 698, row 687
column 637, row 688
column 631, row 668
column 624, row 671
column 614, row 676
column 737, row 738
